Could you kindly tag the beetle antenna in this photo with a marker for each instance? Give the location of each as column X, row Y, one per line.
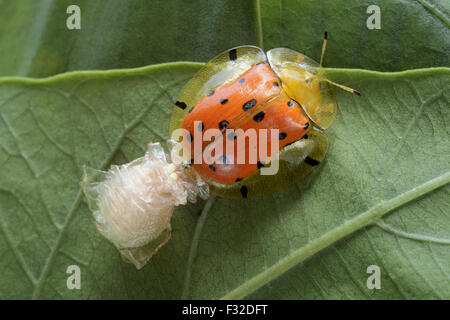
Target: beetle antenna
column 324, row 46
column 344, row 87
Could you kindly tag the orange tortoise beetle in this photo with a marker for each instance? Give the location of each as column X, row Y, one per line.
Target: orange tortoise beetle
column 244, row 90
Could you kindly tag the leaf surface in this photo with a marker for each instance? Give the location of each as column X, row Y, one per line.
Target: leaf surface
column 386, row 144
column 413, row 34
column 35, row 42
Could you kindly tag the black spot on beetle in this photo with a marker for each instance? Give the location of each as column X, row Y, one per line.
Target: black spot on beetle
column 306, row 126
column 276, row 84
column 242, row 80
column 233, row 54
column 223, row 124
column 282, row 135
column 244, row 191
column 312, row 162
column 238, row 179
column 223, row 101
column 290, row 104
column 212, row 168
column 260, row 164
column 249, row 104
column 181, row 105
column 201, row 126
column 259, row 116
column 304, row 137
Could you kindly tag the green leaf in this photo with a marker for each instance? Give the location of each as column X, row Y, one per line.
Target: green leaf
column 387, row 149
column 34, row 39
column 413, row 34
column 49, row 129
column 380, row 198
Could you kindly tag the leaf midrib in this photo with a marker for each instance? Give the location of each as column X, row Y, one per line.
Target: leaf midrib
column 330, row 72
column 435, row 11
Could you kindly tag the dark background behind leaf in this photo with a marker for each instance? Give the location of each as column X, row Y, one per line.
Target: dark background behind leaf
column 35, row 42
